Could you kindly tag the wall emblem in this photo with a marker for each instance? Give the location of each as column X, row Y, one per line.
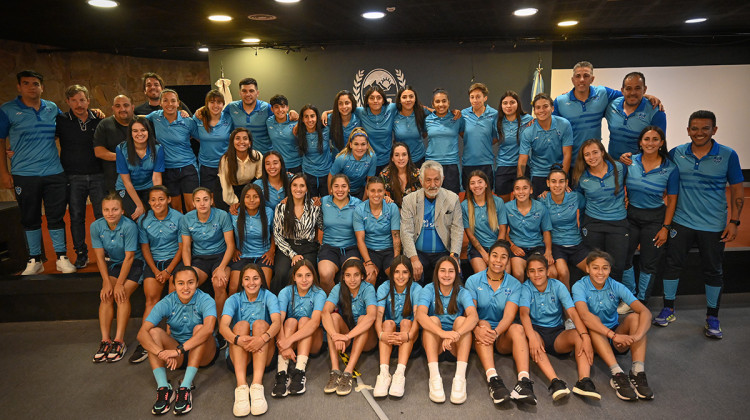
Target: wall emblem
column 379, row 77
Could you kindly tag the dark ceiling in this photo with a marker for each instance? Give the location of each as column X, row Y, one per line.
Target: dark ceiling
column 175, row 29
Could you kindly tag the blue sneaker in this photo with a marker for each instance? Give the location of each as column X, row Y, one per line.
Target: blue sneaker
column 665, row 317
column 712, row 328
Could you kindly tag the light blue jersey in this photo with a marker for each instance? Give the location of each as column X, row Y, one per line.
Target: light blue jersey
column 507, row 153
column 162, row 236
column 585, row 117
column 338, row 227
column 175, row 138
column 213, row 144
column 646, row 189
column 317, row 162
column 406, row 131
column 546, row 308
column 208, row 237
column 240, row 308
column 365, row 298
column 141, row 174
column 253, row 245
column 491, row 303
column 274, row 196
column 356, row 170
column 442, row 137
column 479, row 131
column 346, row 130
column 378, row 230
column 116, row 242
column 564, row 218
column 602, row 302
column 254, row 121
column 526, row 230
column 545, row 147
column 182, row 318
column 379, row 129
column 601, row 201
column 284, row 141
column 303, row 306
column 31, row 134
column 427, row 299
column 625, row 129
column 394, row 311
column 482, row 231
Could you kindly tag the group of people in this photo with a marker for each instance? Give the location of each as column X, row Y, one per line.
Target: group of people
column 381, row 183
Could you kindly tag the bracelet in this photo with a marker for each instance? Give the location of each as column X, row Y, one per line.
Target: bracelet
column 236, row 337
column 159, row 353
column 380, row 337
column 269, row 337
column 367, row 262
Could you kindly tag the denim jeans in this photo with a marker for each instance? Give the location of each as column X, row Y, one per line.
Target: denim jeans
column 81, row 188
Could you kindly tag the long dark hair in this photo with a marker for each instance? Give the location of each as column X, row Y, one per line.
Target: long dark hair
column 663, row 149
column 419, row 114
column 133, row 158
column 257, row 269
column 242, row 216
column 345, row 295
column 336, row 125
column 453, row 303
column 290, row 225
column 396, row 189
column 295, row 268
column 519, row 113
column 302, row 130
column 231, row 154
column 282, row 174
column 212, row 95
column 401, row 260
column 581, row 164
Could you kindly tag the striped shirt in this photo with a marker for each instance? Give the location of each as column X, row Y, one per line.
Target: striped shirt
column 305, row 227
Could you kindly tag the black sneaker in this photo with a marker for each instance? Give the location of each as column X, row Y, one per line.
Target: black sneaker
column 621, row 384
column 222, row 343
column 82, row 260
column 498, row 392
column 559, row 389
column 163, row 400
column 139, row 354
column 298, row 381
column 101, row 354
column 184, row 401
column 585, row 388
column 524, row 391
column 640, row 384
column 281, row 388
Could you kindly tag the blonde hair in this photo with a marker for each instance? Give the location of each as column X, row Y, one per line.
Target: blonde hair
column 356, row 132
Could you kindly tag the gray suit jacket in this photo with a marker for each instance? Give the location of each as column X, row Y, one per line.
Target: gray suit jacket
column 448, row 220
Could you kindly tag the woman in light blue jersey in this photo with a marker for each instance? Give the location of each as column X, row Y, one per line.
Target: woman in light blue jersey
column 356, row 160
column 509, row 129
column 339, row 240
column 254, row 235
column 408, row 127
column 274, row 180
column 528, row 228
column 480, row 133
column 140, row 164
column 212, row 131
column 485, row 221
column 377, row 225
column 443, row 133
column 315, row 146
column 341, row 121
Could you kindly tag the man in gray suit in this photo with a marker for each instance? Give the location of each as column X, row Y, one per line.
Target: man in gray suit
column 431, row 223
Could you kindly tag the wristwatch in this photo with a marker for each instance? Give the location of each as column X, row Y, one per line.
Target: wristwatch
column 735, row 221
column 181, row 349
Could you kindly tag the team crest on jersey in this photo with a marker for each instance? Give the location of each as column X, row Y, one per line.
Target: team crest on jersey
column 611, row 296
column 672, row 233
column 643, row 117
column 378, row 77
column 717, row 159
column 122, row 193
column 507, row 291
column 18, row 190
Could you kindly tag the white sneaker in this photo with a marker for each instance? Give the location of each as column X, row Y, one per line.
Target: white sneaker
column 64, row 265
column 436, row 390
column 397, row 385
column 258, row 404
column 241, row 401
column 381, row 385
column 33, row 267
column 569, row 324
column 458, row 390
column 623, row 308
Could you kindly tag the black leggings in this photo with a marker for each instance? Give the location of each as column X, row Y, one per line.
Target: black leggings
column 609, row 236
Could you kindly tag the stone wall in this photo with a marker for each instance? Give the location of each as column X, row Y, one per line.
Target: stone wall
column 106, row 75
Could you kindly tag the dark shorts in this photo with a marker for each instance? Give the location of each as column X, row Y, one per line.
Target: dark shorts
column 181, row 180
column 382, row 259
column 160, row 265
column 135, row 274
column 452, row 178
column 504, row 178
column 474, row 253
column 446, row 356
column 531, row 251
column 184, row 364
column 549, row 335
column 207, row 263
column 237, row 265
column 337, row 255
column 614, row 349
column 539, row 185
column 467, row 170
column 571, row 254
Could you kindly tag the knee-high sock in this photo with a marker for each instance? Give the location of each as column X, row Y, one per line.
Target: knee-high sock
column 189, row 376
column 670, row 288
column 712, row 296
column 58, row 239
column 160, row 374
column 643, row 281
column 628, row 279
column 34, row 239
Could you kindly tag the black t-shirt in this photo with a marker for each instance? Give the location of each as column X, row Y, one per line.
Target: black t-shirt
column 146, row 108
column 77, row 144
column 109, row 133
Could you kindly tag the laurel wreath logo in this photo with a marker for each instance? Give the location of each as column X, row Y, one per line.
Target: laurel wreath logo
column 357, row 88
column 401, row 79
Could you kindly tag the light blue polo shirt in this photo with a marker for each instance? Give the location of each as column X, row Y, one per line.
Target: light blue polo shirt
column 442, row 137
column 338, row 225
column 428, row 240
column 646, row 189
column 545, row 147
column 304, row 306
column 602, row 303
column 601, row 202
column 347, row 129
column 314, row 162
column 564, row 218
column 208, row 237
column 486, row 236
column 491, row 303
column 253, row 245
column 585, row 117
column 162, row 236
column 427, row 299
column 526, row 231
column 625, row 129
column 31, row 134
column 478, row 135
column 406, row 131
column 284, row 141
column 507, row 153
column 274, row 196
column 116, row 242
column 365, row 298
column 215, row 143
column 378, row 235
column 546, row 308
column 356, row 170
column 239, row 307
column 395, row 312
column 175, row 138
column 182, row 318
column 703, row 204
column 141, row 174
column 379, row 129
column 254, row 121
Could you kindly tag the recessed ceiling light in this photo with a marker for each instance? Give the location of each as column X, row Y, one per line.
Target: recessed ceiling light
column 287, row 1
column 529, row 11
column 568, row 23
column 251, row 40
column 373, row 15
column 220, row 18
column 203, row 49
column 103, row 3
column 696, row 20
